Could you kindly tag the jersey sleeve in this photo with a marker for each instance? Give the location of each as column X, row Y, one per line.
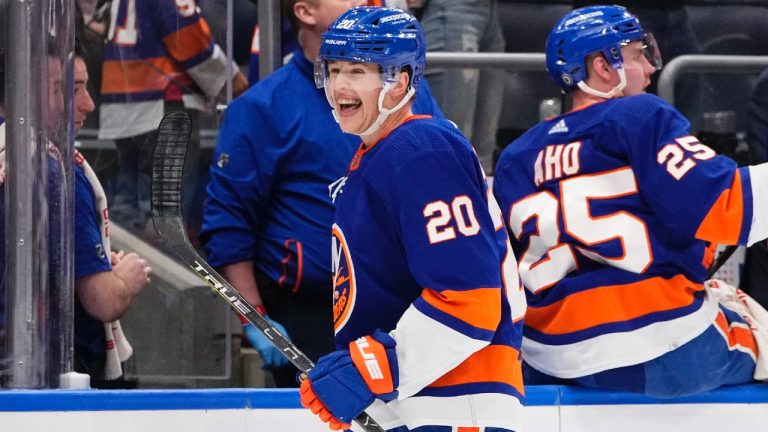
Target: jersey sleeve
column 188, row 39
column 449, row 240
column 686, row 183
column 241, row 180
column 758, row 176
column 90, row 256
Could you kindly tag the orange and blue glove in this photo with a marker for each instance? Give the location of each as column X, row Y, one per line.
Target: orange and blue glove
column 345, row 382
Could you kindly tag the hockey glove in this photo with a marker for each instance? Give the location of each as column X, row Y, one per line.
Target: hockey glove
column 345, row 382
column 271, row 357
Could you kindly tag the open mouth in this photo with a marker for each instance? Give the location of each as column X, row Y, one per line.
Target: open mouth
column 349, row 105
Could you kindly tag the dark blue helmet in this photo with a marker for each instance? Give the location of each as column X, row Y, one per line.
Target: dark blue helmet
column 593, row 29
column 389, row 37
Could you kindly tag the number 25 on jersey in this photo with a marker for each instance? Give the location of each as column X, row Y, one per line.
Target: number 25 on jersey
column 547, row 259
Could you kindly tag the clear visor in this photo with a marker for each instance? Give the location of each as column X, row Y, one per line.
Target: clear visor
column 337, row 74
column 651, row 51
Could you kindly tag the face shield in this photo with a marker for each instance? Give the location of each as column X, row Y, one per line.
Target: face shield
column 354, row 74
column 651, row 51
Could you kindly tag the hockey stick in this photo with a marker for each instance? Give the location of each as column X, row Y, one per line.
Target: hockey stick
column 167, row 170
column 721, row 259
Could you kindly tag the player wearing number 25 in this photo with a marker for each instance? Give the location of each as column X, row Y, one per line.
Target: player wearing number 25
column 609, row 207
column 427, row 302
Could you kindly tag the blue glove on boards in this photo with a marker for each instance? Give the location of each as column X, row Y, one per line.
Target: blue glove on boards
column 345, row 382
column 271, row 357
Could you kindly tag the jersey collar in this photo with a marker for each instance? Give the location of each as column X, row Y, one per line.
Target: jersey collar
column 362, row 150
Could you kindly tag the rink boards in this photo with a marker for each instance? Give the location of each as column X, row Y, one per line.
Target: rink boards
column 549, row 409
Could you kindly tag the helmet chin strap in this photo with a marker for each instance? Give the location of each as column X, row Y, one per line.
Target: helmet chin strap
column 614, row 92
column 330, row 102
column 383, row 112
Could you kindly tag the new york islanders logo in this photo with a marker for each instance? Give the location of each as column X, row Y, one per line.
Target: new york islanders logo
column 344, row 287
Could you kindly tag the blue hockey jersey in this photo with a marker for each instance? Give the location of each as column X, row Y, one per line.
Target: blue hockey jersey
column 151, row 45
column 419, row 251
column 608, row 209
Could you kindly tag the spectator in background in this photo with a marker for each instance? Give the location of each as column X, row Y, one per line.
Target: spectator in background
column 469, row 97
column 106, row 282
column 159, row 57
column 267, row 220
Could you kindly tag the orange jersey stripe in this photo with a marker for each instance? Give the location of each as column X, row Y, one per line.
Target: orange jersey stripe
column 480, row 307
column 613, row 303
column 737, row 336
column 486, row 366
column 189, row 41
column 724, row 220
column 135, row 76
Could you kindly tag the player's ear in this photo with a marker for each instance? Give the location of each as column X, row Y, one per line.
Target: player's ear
column 597, row 65
column 400, row 87
column 305, row 12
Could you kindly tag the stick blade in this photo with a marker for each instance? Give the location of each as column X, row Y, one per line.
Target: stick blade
column 168, row 163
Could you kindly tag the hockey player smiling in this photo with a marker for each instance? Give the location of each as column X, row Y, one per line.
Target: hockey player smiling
column 428, row 322
column 363, row 103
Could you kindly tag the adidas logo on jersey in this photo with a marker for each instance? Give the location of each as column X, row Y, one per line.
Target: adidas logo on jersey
column 560, row 127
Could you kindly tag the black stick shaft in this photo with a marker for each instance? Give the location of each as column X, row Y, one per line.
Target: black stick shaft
column 721, row 259
column 167, row 171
